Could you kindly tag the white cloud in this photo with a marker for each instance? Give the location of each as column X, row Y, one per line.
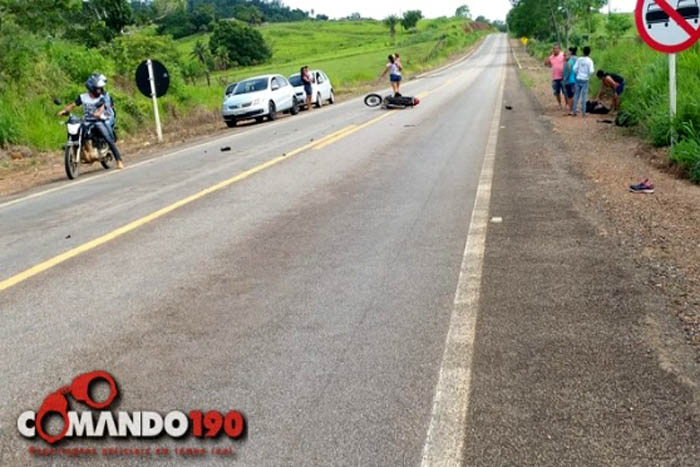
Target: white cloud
column 491, row 9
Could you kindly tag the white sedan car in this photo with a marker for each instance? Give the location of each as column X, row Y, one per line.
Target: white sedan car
column 259, row 97
column 322, row 89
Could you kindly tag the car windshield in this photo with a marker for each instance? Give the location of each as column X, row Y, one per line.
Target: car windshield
column 230, row 88
column 295, row 80
column 251, row 85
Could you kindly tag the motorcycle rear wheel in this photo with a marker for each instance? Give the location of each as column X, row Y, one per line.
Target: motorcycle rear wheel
column 72, row 162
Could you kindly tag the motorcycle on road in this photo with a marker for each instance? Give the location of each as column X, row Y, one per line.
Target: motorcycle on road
column 390, row 101
column 84, row 145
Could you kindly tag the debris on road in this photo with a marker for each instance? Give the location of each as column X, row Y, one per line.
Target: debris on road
column 509, row 107
column 226, row 148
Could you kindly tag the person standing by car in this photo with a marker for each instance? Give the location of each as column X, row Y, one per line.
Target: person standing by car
column 394, row 69
column 570, row 77
column 556, row 62
column 614, row 82
column 584, row 70
column 308, row 88
column 98, row 106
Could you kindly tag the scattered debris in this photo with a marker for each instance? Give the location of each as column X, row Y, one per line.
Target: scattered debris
column 226, row 148
column 20, row 152
column 496, row 220
column 67, row 236
column 509, row 107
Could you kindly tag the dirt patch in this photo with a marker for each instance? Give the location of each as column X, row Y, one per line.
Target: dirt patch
column 661, row 230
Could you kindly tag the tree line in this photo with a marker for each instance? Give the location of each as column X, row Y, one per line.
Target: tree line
column 559, row 19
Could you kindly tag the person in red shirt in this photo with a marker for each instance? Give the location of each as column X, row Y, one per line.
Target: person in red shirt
column 556, row 62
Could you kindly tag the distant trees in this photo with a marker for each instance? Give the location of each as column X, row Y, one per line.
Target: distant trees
column 249, row 14
column 269, row 10
column 244, row 45
column 616, row 26
column 91, row 21
column 202, row 54
column 463, row 12
column 410, row 18
column 552, row 19
column 391, row 22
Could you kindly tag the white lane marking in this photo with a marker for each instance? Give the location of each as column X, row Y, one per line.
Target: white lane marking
column 444, row 443
column 512, row 50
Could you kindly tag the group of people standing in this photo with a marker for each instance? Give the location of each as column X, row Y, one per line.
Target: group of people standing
column 571, row 75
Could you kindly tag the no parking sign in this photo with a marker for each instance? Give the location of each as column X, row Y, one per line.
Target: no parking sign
column 668, row 26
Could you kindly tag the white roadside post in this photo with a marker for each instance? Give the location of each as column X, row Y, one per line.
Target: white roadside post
column 152, row 79
column 672, row 82
column 672, row 92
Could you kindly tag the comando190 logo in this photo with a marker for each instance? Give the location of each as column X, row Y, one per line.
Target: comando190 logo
column 140, row 424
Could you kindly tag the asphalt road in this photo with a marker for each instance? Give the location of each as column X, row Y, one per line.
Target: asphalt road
column 313, row 295
column 311, row 280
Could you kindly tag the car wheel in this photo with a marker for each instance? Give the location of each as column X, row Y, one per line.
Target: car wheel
column 271, row 111
column 319, row 101
column 231, row 123
column 259, row 119
column 295, row 107
column 331, row 100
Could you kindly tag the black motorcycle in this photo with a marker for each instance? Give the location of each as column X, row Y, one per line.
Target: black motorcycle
column 390, row 101
column 85, row 145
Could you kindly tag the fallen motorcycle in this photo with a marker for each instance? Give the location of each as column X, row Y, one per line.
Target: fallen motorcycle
column 390, row 102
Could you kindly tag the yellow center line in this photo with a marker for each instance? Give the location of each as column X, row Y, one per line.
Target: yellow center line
column 72, row 253
column 352, row 129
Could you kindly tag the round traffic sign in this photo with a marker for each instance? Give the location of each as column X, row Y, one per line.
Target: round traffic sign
column 161, row 78
column 668, row 26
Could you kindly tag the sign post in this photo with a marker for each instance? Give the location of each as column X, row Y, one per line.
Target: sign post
column 672, row 83
column 159, row 130
column 669, row 30
column 153, row 81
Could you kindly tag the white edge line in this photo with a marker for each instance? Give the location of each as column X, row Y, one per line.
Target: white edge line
column 512, row 51
column 446, row 434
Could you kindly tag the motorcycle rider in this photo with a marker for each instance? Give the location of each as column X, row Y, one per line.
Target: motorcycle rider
column 98, row 105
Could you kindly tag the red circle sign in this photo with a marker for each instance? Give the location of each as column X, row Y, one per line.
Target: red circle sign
column 665, row 28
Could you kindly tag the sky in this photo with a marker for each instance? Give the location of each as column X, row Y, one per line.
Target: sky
column 491, row 9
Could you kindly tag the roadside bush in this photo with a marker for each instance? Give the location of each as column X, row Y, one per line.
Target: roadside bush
column 9, row 133
column 686, row 152
column 129, row 51
column 245, row 45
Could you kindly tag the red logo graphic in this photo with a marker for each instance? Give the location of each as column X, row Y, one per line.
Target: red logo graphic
column 79, row 389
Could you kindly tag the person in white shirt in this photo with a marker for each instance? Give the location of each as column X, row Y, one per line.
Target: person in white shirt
column 583, row 69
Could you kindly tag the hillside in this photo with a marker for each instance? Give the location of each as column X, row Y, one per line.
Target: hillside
column 353, row 53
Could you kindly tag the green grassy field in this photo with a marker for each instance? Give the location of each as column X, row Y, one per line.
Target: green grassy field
column 352, row 53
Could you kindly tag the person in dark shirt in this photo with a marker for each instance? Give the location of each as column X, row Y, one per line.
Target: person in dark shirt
column 615, row 83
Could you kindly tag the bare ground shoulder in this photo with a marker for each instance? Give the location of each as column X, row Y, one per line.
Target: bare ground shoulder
column 662, row 231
